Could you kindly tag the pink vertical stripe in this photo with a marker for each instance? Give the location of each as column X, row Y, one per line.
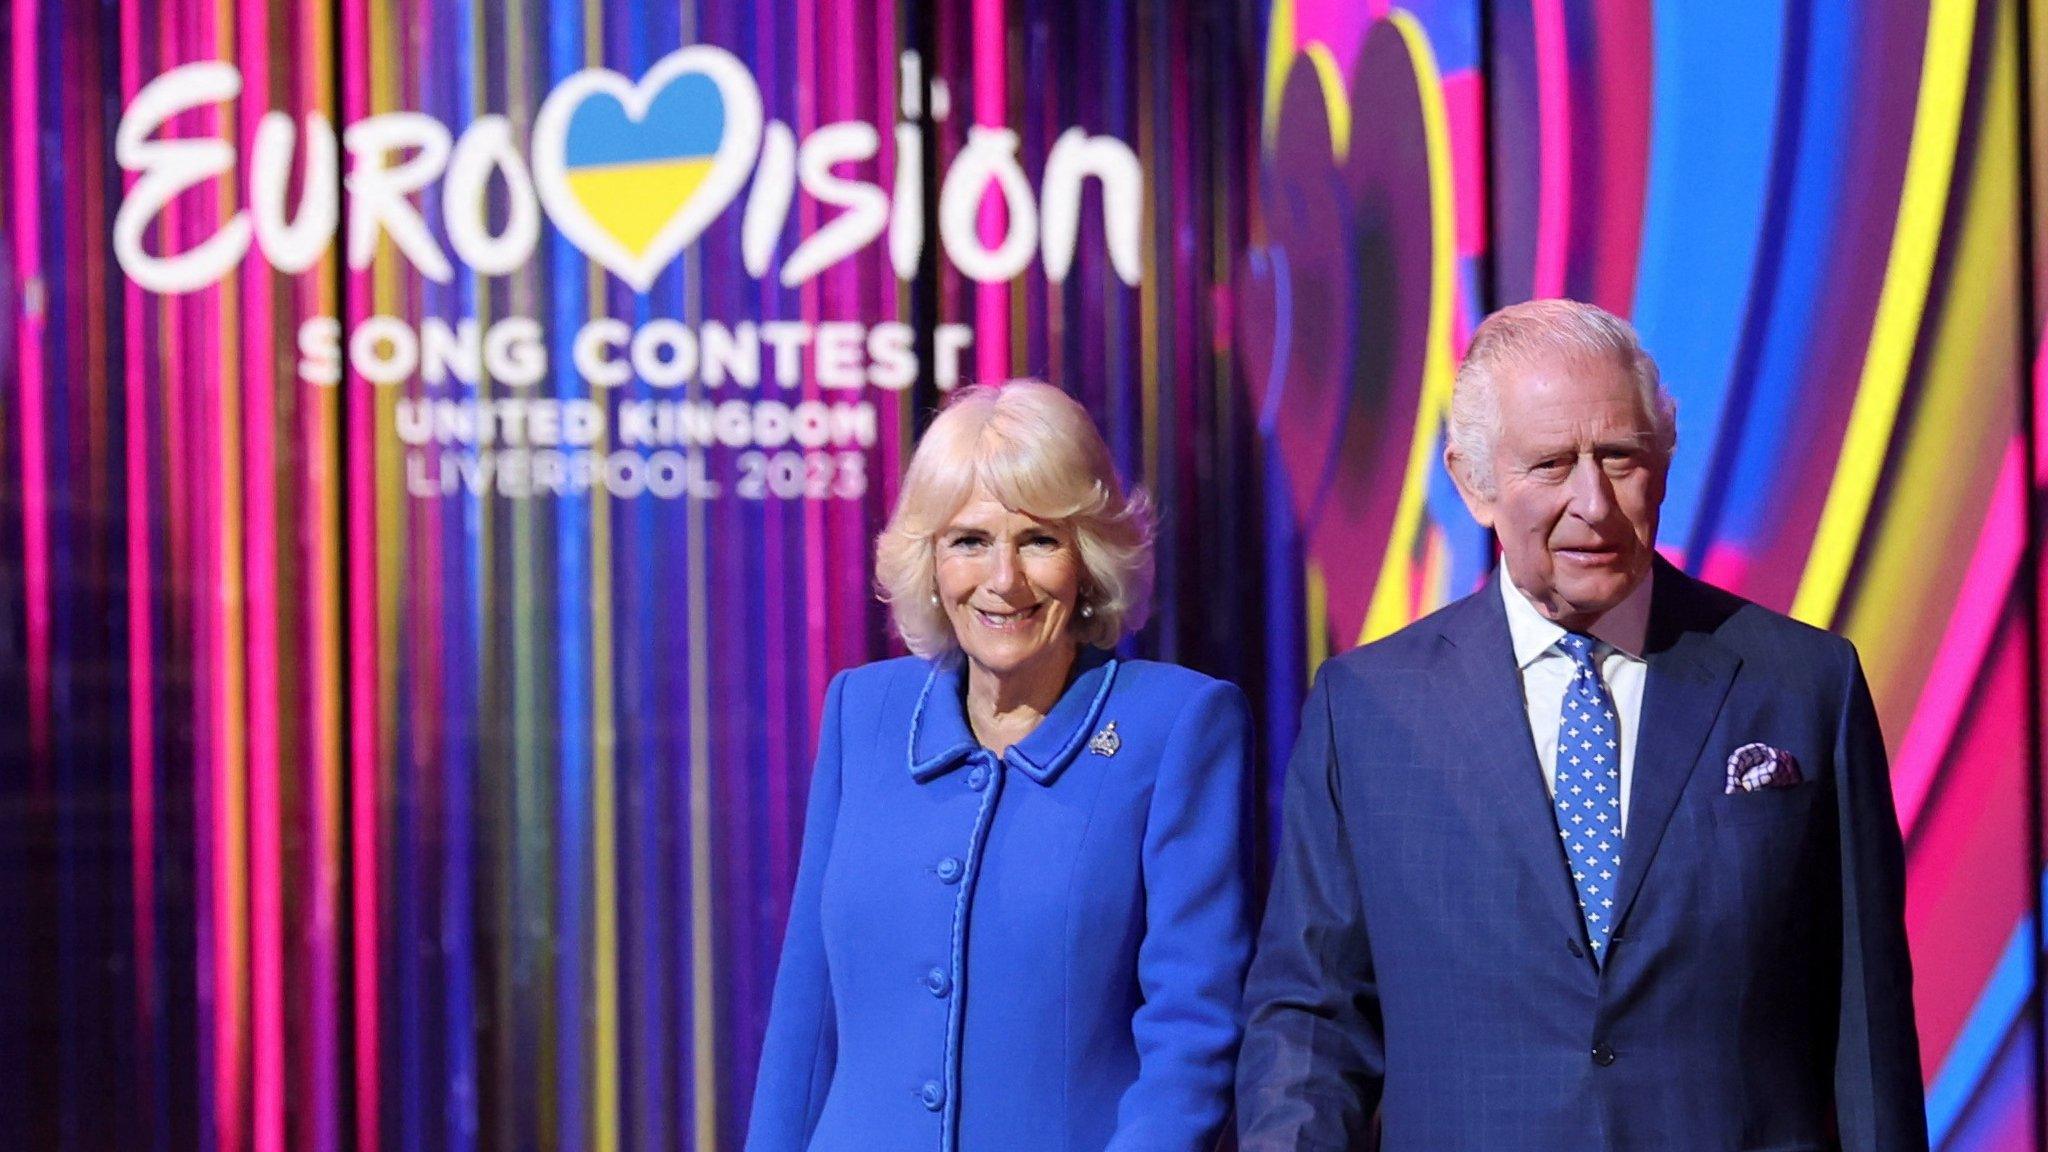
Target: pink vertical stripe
column 323, row 781
column 365, row 747
column 991, row 301
column 1980, row 605
column 1554, row 136
column 842, row 291
column 177, row 346
column 1465, row 109
column 260, row 636
column 230, row 801
column 141, row 625
column 35, row 497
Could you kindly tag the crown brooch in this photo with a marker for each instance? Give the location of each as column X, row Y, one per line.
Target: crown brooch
column 1106, row 742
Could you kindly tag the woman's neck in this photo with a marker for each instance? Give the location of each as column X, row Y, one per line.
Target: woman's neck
column 1003, row 709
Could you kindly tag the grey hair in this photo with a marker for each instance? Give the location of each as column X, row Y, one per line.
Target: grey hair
column 1522, row 334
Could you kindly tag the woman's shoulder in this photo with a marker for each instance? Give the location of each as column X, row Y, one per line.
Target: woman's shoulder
column 1157, row 678
column 865, row 687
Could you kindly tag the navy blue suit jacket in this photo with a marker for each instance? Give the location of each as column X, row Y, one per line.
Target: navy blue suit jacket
column 1423, row 955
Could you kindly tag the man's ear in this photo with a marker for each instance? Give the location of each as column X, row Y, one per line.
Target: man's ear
column 1477, row 500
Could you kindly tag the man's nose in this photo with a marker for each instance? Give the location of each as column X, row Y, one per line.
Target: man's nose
column 1591, row 493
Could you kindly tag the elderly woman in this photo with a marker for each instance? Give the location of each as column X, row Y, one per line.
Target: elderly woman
column 1020, row 921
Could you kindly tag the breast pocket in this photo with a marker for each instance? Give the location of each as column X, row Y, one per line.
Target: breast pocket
column 1766, row 807
column 1772, row 852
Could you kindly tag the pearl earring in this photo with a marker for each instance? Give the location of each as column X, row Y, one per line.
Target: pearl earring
column 1087, row 611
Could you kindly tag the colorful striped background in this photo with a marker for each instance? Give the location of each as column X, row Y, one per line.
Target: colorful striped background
column 336, row 818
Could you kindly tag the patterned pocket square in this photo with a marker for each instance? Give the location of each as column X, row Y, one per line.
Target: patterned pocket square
column 1756, row 766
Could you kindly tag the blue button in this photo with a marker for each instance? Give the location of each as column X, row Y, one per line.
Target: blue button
column 978, row 779
column 937, row 982
column 950, row 869
column 933, row 1094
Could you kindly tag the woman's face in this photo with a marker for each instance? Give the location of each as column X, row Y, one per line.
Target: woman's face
column 1010, row 584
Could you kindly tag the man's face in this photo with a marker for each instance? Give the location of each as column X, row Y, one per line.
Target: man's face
column 1578, row 478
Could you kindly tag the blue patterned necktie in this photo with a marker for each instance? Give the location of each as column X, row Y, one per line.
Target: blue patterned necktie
column 1589, row 789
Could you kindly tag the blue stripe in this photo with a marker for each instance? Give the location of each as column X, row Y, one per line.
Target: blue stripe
column 1998, row 1009
column 1751, row 461
column 568, row 304
column 1716, row 96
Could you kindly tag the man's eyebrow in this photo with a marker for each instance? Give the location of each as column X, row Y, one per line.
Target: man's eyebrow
column 1638, row 440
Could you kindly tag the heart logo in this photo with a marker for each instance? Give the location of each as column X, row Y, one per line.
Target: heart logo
column 632, row 173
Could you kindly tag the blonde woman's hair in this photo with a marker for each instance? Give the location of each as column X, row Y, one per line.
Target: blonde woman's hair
column 1035, row 450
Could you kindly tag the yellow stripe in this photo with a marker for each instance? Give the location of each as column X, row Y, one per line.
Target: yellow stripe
column 233, row 605
column 1279, row 54
column 1950, row 453
column 1930, row 162
column 329, row 664
column 388, row 462
column 703, row 952
column 1316, row 616
column 704, row 1017
column 603, row 768
column 1336, row 100
column 604, row 742
column 232, row 602
column 1393, row 595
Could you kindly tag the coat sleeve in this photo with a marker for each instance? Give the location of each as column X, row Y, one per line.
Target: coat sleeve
column 1197, row 942
column 801, row 1047
column 1878, row 1102
column 1314, row 1056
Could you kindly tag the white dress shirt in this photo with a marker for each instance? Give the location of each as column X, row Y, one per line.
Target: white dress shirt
column 1547, row 672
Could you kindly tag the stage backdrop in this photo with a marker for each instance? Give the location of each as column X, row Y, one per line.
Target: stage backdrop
column 440, row 443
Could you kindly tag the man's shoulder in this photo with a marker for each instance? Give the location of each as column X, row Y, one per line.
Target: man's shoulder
column 1751, row 630
column 1413, row 648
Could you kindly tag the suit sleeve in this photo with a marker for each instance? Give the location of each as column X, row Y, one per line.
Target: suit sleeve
column 1314, row 1057
column 801, row 1048
column 1198, row 938
column 1878, row 1103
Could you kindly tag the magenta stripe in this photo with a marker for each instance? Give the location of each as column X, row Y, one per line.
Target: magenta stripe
column 365, row 733
column 141, row 625
column 215, row 655
column 35, row 498
column 260, row 636
column 1554, row 135
column 1980, row 605
column 142, row 628
column 991, row 301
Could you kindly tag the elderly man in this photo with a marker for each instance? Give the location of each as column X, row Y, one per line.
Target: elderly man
column 1598, row 857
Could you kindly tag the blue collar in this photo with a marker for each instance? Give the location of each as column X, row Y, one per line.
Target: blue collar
column 940, row 738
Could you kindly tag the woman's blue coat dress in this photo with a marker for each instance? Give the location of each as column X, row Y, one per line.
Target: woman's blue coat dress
column 1038, row 952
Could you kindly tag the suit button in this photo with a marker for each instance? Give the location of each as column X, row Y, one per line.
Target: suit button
column 949, row 870
column 1576, row 950
column 937, row 982
column 1603, row 1055
column 933, row 1095
column 978, row 779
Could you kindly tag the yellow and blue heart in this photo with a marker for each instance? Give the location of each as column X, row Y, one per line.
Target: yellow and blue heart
column 633, row 176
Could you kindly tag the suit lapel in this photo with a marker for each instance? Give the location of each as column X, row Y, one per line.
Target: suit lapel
column 1498, row 743
column 1689, row 676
